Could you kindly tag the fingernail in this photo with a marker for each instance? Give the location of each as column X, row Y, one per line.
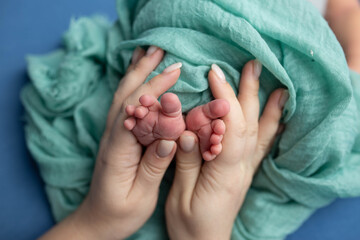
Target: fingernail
column 257, row 68
column 173, row 67
column 151, row 50
column 219, row 73
column 136, row 55
column 187, row 143
column 164, row 148
column 283, row 99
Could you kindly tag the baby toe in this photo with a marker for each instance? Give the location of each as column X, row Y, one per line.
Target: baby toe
column 218, row 126
column 141, row 112
column 130, row 110
column 208, row 156
column 216, row 139
column 130, row 123
column 216, row 149
column 147, row 100
column 171, row 105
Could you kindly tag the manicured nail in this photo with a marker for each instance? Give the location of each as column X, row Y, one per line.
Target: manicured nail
column 219, row 73
column 257, row 68
column 283, row 99
column 187, row 143
column 173, row 67
column 136, row 55
column 151, row 50
column 164, row 148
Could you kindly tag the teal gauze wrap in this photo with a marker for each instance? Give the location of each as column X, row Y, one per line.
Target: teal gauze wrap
column 313, row 162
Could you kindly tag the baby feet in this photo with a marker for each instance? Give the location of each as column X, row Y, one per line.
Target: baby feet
column 204, row 121
column 153, row 120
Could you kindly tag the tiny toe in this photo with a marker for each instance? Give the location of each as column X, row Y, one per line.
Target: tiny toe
column 141, row 112
column 216, row 139
column 218, row 126
column 216, row 149
column 147, row 100
column 130, row 123
column 170, row 104
column 208, row 156
column 130, row 110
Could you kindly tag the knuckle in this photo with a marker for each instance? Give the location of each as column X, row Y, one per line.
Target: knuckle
column 118, row 97
column 241, row 131
column 252, row 130
column 142, row 67
column 152, row 86
column 264, row 146
column 152, row 170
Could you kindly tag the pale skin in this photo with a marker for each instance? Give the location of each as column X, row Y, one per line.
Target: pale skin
column 344, row 19
column 125, row 184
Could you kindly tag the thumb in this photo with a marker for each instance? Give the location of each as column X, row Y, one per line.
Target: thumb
column 188, row 165
column 153, row 165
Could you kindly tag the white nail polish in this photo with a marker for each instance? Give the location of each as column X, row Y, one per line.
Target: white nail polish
column 173, row 67
column 257, row 67
column 219, row 73
column 151, row 50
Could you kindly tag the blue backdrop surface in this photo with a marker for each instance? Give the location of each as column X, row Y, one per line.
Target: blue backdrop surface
column 36, row 27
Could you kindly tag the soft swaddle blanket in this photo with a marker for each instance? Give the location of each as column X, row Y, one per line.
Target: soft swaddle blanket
column 312, row 163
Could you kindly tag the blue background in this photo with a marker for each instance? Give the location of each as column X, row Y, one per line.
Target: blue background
column 36, row 27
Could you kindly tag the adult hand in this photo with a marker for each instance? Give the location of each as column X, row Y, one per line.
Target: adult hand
column 206, row 197
column 125, row 184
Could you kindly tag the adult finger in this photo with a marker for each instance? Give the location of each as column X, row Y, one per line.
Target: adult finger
column 269, row 124
column 234, row 137
column 152, row 167
column 188, row 165
column 155, row 87
column 162, row 82
column 249, row 94
column 139, row 71
column 249, row 100
column 221, row 89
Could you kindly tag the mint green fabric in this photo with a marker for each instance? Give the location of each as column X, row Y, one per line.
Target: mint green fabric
column 314, row 161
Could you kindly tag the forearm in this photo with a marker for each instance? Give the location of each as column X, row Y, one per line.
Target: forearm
column 78, row 225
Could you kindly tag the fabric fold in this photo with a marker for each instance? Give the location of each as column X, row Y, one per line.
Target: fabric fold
column 313, row 162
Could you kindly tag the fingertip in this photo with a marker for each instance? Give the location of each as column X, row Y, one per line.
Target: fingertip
column 221, row 89
column 137, row 55
column 277, row 99
column 187, row 143
column 165, row 148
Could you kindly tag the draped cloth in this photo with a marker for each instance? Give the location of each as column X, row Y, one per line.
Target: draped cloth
column 313, row 162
